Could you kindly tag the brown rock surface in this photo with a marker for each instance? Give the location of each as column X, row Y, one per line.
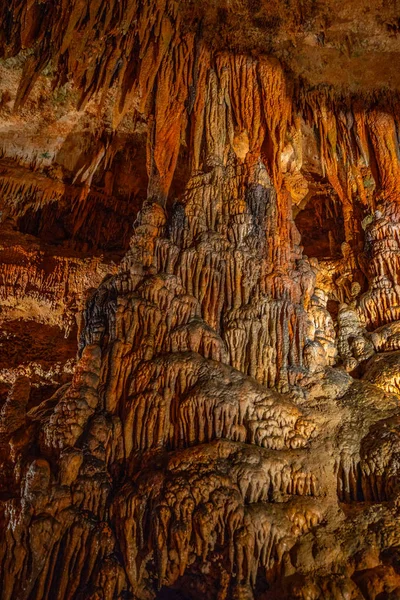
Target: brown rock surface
column 199, row 300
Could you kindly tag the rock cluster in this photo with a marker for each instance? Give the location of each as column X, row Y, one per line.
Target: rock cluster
column 224, row 248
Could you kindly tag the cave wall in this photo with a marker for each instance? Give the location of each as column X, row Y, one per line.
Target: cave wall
column 200, row 305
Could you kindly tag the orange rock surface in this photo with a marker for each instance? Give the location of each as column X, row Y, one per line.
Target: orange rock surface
column 199, row 300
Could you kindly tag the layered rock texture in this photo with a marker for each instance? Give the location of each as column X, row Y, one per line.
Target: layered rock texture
column 199, row 300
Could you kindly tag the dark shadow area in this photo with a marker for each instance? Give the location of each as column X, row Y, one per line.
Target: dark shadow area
column 321, row 226
column 23, row 342
column 180, row 178
column 94, row 213
column 170, row 594
column 99, row 222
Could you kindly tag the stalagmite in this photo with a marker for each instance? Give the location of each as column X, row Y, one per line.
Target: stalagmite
column 200, row 300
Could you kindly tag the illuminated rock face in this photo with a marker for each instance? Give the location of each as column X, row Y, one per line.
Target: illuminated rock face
column 200, row 307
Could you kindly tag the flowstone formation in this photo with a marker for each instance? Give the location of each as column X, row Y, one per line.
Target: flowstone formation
column 200, row 302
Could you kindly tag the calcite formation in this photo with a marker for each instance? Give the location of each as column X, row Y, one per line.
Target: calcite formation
column 199, row 300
